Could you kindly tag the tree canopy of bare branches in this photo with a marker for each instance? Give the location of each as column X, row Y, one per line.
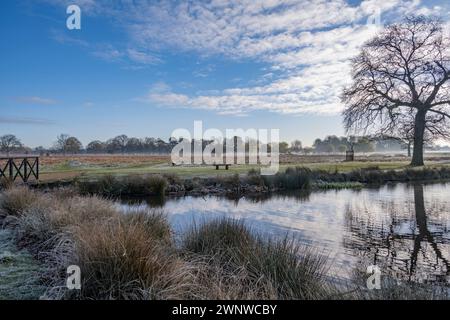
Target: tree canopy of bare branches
column 401, row 83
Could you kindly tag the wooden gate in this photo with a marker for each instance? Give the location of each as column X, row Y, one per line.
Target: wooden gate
column 22, row 168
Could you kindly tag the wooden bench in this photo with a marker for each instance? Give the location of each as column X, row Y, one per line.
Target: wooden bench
column 222, row 165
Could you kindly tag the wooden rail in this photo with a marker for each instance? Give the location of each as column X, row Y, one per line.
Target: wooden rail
column 24, row 168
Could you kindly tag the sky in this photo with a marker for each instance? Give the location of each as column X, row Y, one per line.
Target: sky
column 146, row 68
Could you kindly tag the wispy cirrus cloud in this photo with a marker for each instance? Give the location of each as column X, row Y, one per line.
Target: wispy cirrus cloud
column 35, row 100
column 25, row 121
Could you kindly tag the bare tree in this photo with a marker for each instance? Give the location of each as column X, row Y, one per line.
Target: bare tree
column 8, row 143
column 401, row 78
column 61, row 143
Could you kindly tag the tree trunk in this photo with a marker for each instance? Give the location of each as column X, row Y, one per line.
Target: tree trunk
column 409, row 148
column 419, row 130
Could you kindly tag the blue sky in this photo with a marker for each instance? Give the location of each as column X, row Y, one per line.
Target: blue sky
column 146, row 68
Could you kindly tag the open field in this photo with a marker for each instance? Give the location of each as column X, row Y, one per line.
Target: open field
column 55, row 168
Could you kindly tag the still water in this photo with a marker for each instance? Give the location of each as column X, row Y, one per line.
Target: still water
column 402, row 228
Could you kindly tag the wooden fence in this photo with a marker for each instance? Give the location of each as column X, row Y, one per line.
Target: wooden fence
column 22, row 168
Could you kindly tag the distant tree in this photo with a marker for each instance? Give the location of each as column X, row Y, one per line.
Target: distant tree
column 40, row 150
column 342, row 148
column 296, row 146
column 149, row 144
column 283, row 147
column 363, row 144
column 96, row 146
column 9, row 142
column 403, row 71
column 73, row 145
column 133, row 145
column 61, row 143
column 117, row 144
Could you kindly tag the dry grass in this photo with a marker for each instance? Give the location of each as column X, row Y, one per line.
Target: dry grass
column 135, row 185
column 252, row 267
column 14, row 200
column 127, row 260
column 133, row 255
column 105, row 159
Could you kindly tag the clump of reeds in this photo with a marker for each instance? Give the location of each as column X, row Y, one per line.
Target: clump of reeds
column 262, row 268
column 128, row 259
column 293, row 178
column 109, row 185
column 16, row 199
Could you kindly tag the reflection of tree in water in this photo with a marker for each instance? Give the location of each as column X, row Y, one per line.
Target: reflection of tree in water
column 160, row 201
column 298, row 195
column 407, row 243
column 151, row 201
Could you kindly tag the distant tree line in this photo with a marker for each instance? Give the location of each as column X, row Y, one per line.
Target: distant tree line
column 122, row 144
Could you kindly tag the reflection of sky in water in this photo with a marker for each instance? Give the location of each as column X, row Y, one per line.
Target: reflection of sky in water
column 350, row 226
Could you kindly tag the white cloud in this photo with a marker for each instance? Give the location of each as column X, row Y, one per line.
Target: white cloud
column 36, row 100
column 142, row 57
column 306, row 43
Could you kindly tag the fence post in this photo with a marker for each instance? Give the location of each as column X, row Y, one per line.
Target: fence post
column 37, row 168
column 11, row 172
column 25, row 171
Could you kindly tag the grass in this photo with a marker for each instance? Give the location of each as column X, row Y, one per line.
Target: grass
column 60, row 168
column 133, row 255
column 19, row 272
column 125, row 259
column 134, row 185
column 291, row 178
column 266, row 268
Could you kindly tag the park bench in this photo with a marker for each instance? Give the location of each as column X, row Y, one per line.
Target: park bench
column 222, row 165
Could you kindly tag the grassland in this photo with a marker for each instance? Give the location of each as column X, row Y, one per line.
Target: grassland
column 56, row 168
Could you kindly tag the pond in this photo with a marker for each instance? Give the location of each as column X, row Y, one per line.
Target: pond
column 402, row 228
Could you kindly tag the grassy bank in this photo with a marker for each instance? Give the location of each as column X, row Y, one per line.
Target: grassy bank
column 293, row 178
column 19, row 272
column 133, row 255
